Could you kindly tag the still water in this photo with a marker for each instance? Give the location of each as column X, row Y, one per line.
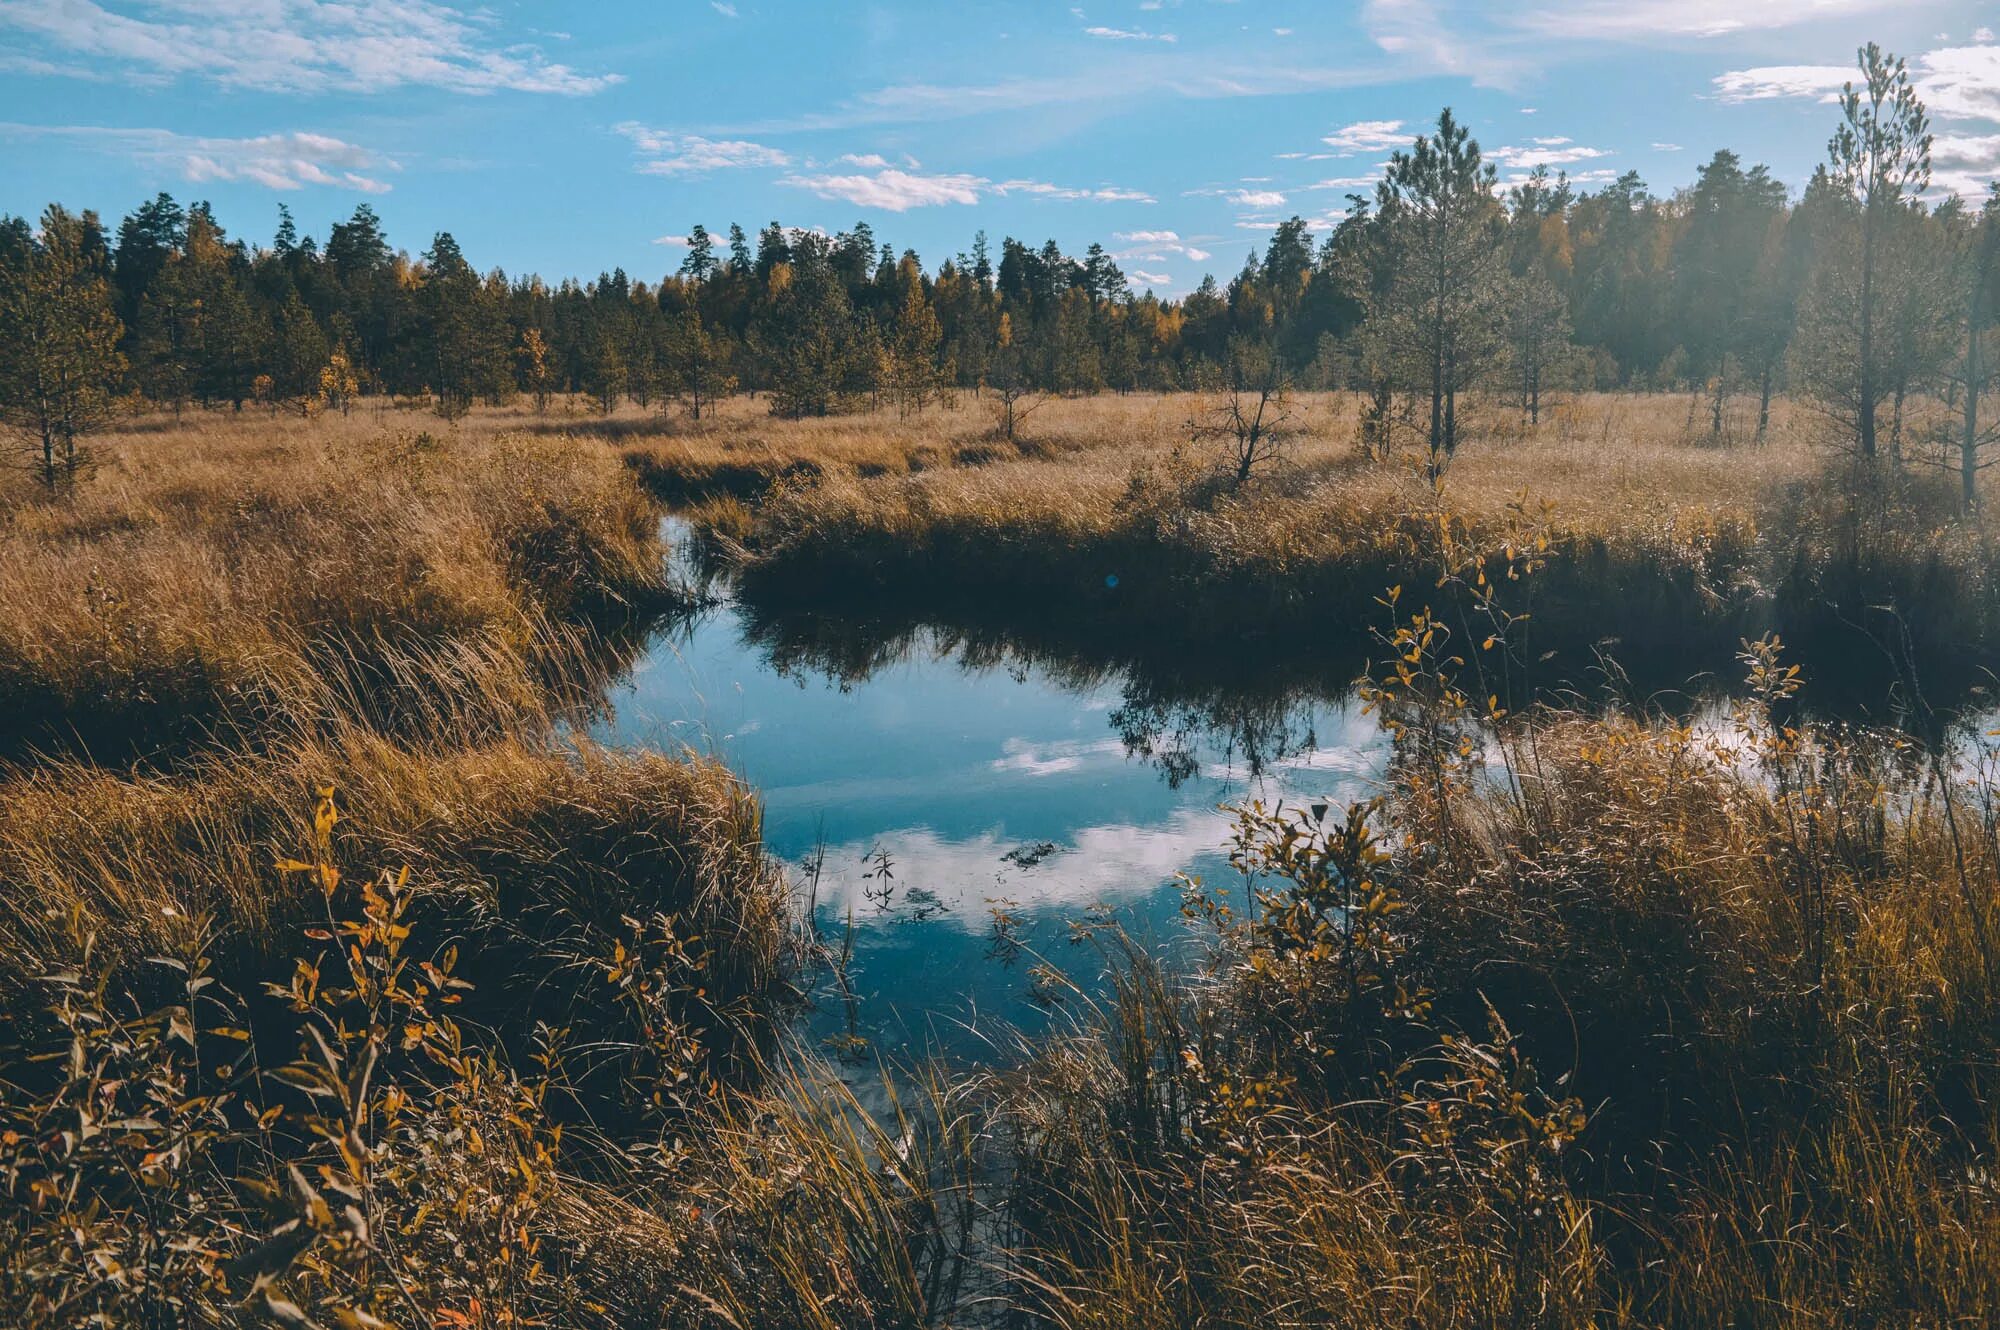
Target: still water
column 983, row 780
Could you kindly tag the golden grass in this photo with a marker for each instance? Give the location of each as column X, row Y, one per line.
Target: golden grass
column 530, row 851
column 1772, row 998
column 219, row 571
column 1662, row 538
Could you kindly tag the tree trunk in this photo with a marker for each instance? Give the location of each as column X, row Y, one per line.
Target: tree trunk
column 1764, row 404
column 1866, row 395
column 1968, row 444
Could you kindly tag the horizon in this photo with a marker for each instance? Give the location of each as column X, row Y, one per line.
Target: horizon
column 1176, row 134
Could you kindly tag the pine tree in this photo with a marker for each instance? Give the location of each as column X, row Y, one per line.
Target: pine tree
column 59, row 335
column 1880, row 158
column 1444, row 316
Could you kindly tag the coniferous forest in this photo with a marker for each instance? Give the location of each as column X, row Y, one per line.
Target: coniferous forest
column 1860, row 290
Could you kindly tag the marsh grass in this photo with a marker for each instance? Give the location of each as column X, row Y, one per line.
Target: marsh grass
column 1668, row 548
column 221, row 577
column 544, row 859
column 1596, row 1019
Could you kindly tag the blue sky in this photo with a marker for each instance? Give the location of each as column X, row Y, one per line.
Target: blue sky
column 571, row 138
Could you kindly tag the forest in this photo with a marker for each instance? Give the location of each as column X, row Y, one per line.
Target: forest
column 1449, row 781
column 1865, row 294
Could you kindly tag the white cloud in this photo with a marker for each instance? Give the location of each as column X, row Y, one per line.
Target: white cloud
column 1315, row 224
column 1154, row 279
column 892, row 190
column 871, row 161
column 664, row 153
column 1965, row 164
column 1118, row 79
column 1548, row 152
column 1667, row 147
column 277, row 161
column 1956, row 82
column 1103, row 194
column 299, row 46
column 1368, row 136
column 1346, row 182
column 1962, row 82
column 723, row 8
column 1129, row 35
column 1983, row 35
column 1150, row 246
column 898, row 191
column 1639, row 19
column 1257, row 198
column 1769, row 82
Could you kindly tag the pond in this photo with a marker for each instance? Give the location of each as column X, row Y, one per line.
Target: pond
column 954, row 803
column 940, row 784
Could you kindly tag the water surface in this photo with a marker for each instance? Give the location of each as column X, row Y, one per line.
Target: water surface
column 985, row 780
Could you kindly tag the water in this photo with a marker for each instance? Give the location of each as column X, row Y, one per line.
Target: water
column 987, row 781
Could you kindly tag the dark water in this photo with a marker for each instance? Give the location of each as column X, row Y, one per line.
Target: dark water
column 988, row 780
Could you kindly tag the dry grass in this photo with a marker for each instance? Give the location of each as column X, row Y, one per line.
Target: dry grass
column 232, row 569
column 535, row 849
column 1770, row 996
column 1662, row 539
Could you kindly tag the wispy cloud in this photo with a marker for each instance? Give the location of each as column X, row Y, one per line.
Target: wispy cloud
column 1544, row 152
column 1129, row 35
column 895, row 190
column 1151, row 243
column 302, row 46
column 277, row 161
column 1638, row 19
column 1957, row 82
column 1368, row 136
column 664, row 153
column 1965, row 164
column 1770, row 82
column 892, row 190
column 1242, row 198
column 1115, row 80
column 1101, row 194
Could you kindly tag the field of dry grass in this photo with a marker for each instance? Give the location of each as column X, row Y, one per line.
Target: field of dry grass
column 1672, row 543
column 232, row 570
column 1595, row 1021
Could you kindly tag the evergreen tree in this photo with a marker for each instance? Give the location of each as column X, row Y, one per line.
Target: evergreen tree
column 1880, row 158
column 59, row 335
column 1445, row 310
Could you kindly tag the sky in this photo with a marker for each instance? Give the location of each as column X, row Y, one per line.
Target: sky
column 568, row 139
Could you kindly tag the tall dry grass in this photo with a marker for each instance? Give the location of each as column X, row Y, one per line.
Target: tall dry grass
column 1666, row 542
column 223, row 575
column 541, row 859
column 1664, row 1028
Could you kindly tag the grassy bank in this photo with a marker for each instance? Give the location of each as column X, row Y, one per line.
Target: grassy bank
column 219, row 576
column 1664, row 544
column 540, row 861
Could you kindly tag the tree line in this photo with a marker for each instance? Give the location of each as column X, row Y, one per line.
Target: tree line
column 1861, row 295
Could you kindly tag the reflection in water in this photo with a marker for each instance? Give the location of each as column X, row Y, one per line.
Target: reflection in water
column 954, row 781
column 986, row 775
